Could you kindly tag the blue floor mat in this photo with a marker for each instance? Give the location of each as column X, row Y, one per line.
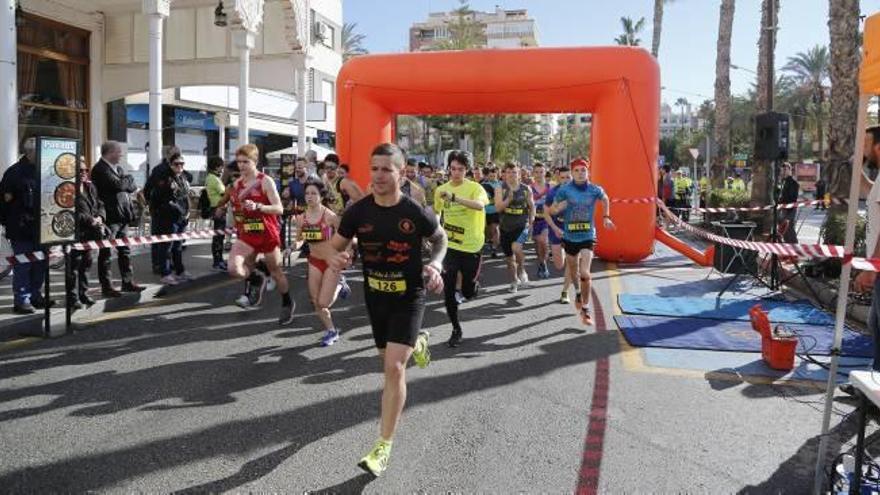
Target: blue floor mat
column 720, row 335
column 725, row 309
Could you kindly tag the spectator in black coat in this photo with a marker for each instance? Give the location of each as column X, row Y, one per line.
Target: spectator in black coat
column 788, row 194
column 170, row 198
column 156, row 173
column 19, row 200
column 90, row 226
column 115, row 189
column 820, row 194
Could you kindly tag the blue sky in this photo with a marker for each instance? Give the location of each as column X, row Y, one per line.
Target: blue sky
column 687, row 48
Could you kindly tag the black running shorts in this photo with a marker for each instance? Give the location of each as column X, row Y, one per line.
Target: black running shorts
column 574, row 248
column 396, row 319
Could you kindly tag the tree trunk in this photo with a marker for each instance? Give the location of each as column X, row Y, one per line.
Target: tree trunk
column 722, row 95
column 801, row 122
column 843, row 27
column 489, row 134
column 658, row 27
column 762, row 170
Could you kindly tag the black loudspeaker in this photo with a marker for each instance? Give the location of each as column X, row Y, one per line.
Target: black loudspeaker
column 729, row 259
column 771, row 136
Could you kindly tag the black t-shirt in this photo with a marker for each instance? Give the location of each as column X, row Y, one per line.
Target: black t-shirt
column 390, row 243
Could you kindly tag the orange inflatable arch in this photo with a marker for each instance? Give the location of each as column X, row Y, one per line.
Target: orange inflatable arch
column 619, row 86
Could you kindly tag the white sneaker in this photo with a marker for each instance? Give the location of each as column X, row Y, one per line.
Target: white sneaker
column 514, row 286
column 185, row 277
column 523, row 278
column 270, row 284
column 169, row 279
column 243, row 301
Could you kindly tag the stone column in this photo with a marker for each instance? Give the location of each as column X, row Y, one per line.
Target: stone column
column 8, row 86
column 156, row 12
column 247, row 16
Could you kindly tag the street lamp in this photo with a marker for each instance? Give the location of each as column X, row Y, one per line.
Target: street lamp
column 219, row 15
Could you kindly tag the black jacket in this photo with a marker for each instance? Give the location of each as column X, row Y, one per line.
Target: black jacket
column 790, row 190
column 89, row 206
column 19, row 198
column 169, row 198
column 114, row 188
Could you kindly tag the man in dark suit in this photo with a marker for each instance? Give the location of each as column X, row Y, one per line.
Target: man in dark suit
column 115, row 189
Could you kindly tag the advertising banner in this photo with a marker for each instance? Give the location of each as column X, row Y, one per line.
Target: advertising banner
column 57, row 159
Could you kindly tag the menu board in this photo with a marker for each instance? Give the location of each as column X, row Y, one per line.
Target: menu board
column 57, row 161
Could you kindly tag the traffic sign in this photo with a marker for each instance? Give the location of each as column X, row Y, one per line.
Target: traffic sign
column 695, row 152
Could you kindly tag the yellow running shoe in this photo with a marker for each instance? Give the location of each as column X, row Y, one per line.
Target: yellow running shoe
column 376, row 462
column 421, row 352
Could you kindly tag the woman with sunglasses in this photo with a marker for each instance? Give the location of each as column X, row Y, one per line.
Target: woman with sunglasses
column 256, row 207
column 170, row 194
column 90, row 216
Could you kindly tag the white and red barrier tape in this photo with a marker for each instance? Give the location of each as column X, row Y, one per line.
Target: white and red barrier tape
column 787, row 206
column 56, row 251
column 781, row 249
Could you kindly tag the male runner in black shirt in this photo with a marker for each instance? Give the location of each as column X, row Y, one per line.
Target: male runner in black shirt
column 390, row 229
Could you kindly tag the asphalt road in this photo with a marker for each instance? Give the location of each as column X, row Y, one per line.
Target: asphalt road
column 192, row 394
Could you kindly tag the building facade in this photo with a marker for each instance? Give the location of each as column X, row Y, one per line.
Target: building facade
column 168, row 72
column 682, row 119
column 501, row 29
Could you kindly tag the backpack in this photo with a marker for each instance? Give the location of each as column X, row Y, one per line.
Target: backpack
column 205, row 205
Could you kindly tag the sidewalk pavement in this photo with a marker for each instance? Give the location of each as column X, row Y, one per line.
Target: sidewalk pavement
column 196, row 259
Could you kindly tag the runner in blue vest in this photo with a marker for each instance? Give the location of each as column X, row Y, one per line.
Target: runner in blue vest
column 576, row 201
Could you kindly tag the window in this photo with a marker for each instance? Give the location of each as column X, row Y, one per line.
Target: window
column 328, row 91
column 329, row 36
column 53, row 68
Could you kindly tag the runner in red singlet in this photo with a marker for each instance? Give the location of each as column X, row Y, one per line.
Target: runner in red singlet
column 256, row 207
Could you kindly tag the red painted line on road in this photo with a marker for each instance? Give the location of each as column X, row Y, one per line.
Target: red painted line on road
column 591, row 459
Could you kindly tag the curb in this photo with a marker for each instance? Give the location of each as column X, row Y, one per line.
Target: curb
column 32, row 325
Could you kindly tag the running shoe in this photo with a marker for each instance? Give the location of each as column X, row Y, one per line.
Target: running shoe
column 243, row 301
column 330, row 338
column 185, row 277
column 256, row 288
column 220, row 266
column 270, row 283
column 563, row 299
column 286, row 317
column 524, row 279
column 344, row 288
column 454, row 339
column 169, row 280
column 376, row 462
column 586, row 319
column 514, row 287
column 459, row 297
column 421, row 352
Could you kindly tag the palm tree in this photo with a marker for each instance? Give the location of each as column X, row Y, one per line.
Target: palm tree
column 658, row 26
column 761, row 184
column 843, row 27
column 721, row 133
column 630, row 31
column 682, row 103
column 352, row 42
column 810, row 71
